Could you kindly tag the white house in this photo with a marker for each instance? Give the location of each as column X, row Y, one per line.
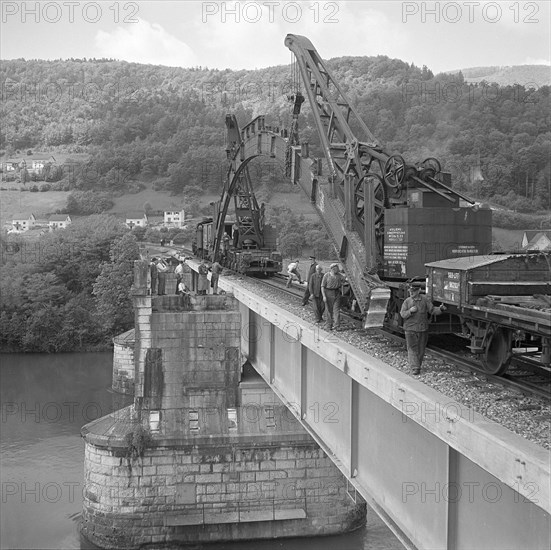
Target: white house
column 10, row 165
column 23, row 221
column 134, row 219
column 33, row 163
column 174, row 218
column 59, row 221
column 537, row 239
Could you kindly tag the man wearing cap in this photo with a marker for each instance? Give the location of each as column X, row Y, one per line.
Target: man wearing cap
column 311, row 271
column 331, row 286
column 315, row 290
column 415, row 311
column 162, row 269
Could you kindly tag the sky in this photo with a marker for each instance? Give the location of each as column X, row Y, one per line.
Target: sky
column 246, row 35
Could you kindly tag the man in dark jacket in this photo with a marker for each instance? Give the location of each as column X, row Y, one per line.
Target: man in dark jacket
column 415, row 311
column 311, row 271
column 314, row 285
column 153, row 272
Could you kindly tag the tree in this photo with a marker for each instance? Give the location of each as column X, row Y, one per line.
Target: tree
column 139, row 232
column 112, row 287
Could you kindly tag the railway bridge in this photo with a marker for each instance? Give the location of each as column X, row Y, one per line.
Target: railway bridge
column 438, row 473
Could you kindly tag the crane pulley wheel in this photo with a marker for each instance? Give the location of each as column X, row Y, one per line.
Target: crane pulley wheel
column 432, row 163
column 379, row 197
column 394, row 171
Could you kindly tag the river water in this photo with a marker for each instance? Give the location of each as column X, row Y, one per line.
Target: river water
column 45, row 400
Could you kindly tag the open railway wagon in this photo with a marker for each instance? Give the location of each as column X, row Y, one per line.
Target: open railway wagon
column 503, row 302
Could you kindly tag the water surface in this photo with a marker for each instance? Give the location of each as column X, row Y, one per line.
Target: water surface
column 45, row 400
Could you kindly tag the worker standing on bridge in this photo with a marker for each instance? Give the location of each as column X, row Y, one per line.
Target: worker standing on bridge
column 154, row 275
column 202, row 282
column 179, row 272
column 216, row 269
column 162, row 270
column 311, row 271
column 225, row 244
column 314, row 284
column 415, row 311
column 331, row 289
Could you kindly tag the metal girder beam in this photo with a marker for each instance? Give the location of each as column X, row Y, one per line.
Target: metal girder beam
column 439, row 474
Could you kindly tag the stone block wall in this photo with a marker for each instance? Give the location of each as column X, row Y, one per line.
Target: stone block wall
column 123, row 363
column 193, row 494
column 188, row 355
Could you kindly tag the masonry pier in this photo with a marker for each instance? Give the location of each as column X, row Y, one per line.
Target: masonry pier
column 207, row 452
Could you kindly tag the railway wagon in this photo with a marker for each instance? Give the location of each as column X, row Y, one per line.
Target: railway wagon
column 503, row 303
column 247, row 258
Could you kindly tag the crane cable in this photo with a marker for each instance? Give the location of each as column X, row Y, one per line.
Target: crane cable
column 288, row 150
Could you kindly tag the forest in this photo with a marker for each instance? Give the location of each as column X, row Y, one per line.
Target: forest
column 70, row 290
column 165, row 126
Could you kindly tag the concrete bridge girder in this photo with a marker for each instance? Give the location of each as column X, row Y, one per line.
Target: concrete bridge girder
column 440, row 474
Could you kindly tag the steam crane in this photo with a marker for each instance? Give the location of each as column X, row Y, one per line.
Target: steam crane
column 387, row 217
column 255, row 247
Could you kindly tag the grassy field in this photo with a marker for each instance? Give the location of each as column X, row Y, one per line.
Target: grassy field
column 39, row 204
column 135, row 201
column 297, row 202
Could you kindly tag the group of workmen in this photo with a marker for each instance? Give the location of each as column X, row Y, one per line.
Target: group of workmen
column 324, row 288
column 326, row 291
column 158, row 268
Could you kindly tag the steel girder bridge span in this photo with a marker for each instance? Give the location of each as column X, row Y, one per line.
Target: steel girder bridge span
column 438, row 473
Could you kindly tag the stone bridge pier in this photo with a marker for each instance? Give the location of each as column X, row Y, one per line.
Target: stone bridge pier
column 207, row 452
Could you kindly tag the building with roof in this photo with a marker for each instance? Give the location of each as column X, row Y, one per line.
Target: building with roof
column 174, row 218
column 23, row 221
column 134, row 219
column 59, row 221
column 537, row 239
column 34, row 164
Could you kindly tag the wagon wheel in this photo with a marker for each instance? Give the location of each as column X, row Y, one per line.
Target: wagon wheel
column 432, row 163
column 380, row 197
column 394, row 171
column 497, row 354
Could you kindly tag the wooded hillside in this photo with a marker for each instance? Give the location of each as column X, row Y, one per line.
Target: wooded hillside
column 166, row 125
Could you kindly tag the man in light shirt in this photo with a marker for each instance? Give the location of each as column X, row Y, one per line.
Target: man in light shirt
column 331, row 288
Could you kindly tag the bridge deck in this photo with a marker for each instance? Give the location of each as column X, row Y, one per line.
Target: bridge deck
column 440, row 474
